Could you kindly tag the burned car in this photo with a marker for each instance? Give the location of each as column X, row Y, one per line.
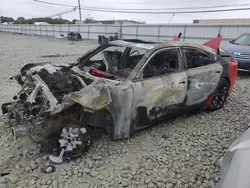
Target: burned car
column 118, row 89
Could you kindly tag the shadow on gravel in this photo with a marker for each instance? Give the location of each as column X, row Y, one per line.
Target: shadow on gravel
column 59, row 55
column 244, row 74
column 168, row 121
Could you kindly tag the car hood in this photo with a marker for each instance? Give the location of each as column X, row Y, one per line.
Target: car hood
column 62, row 86
column 231, row 48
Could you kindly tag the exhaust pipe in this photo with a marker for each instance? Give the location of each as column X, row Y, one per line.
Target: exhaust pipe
column 19, row 131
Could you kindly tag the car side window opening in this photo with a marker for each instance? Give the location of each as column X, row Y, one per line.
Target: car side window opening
column 197, row 58
column 164, row 62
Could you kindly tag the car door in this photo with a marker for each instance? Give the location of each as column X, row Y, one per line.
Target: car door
column 203, row 73
column 160, row 87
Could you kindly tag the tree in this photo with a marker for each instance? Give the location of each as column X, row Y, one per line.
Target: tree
column 89, row 20
column 20, row 19
column 6, row 19
column 74, row 21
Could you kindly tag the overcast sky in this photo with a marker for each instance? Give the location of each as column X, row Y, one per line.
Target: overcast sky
column 29, row 8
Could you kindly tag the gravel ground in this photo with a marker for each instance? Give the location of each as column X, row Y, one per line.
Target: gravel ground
column 182, row 153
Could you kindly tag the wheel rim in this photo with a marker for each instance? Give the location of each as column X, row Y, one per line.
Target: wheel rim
column 220, row 96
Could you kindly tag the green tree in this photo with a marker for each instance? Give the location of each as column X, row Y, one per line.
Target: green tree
column 48, row 20
column 20, row 19
column 74, row 21
column 89, row 20
column 6, row 19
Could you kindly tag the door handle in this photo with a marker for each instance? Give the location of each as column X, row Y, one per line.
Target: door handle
column 217, row 72
column 183, row 82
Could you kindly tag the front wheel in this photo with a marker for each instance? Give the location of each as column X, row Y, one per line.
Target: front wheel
column 220, row 96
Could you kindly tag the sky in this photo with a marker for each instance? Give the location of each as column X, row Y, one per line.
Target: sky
column 29, row 8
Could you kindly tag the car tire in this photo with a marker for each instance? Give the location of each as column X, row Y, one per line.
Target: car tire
column 220, row 96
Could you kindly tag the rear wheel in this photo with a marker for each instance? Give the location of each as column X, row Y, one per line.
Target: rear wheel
column 220, row 96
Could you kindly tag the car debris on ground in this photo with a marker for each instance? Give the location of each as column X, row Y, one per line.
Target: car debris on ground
column 74, row 36
column 48, row 169
column 105, row 40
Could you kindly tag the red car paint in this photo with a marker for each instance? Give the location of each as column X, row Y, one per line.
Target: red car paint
column 214, row 43
column 232, row 73
column 99, row 73
column 176, row 38
column 209, row 101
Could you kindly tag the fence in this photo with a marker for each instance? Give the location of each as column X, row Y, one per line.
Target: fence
column 196, row 33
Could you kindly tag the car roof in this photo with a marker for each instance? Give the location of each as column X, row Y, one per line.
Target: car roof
column 134, row 43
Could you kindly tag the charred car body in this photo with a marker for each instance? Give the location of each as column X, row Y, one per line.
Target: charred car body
column 118, row 88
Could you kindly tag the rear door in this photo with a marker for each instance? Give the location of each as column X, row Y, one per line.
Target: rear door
column 204, row 74
column 160, row 88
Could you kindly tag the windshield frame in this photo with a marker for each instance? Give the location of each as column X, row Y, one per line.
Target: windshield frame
column 128, row 47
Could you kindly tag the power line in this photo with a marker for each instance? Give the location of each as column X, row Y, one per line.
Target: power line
column 161, row 11
column 64, row 5
column 166, row 9
column 58, row 4
column 166, row 12
column 149, row 3
column 63, row 12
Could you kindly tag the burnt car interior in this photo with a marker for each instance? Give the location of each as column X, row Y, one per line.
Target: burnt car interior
column 115, row 61
column 164, row 62
column 196, row 58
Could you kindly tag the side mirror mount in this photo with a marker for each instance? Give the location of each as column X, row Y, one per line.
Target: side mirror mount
column 232, row 41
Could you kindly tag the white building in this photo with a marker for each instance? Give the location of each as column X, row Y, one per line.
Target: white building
column 5, row 23
column 41, row 23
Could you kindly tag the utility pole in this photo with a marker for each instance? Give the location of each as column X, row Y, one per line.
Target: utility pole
column 80, row 13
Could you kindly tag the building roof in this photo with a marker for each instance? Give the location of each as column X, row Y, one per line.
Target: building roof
column 109, row 21
column 41, row 23
column 132, row 21
column 220, row 21
column 5, row 23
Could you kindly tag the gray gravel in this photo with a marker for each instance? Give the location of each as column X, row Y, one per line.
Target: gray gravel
column 183, row 152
